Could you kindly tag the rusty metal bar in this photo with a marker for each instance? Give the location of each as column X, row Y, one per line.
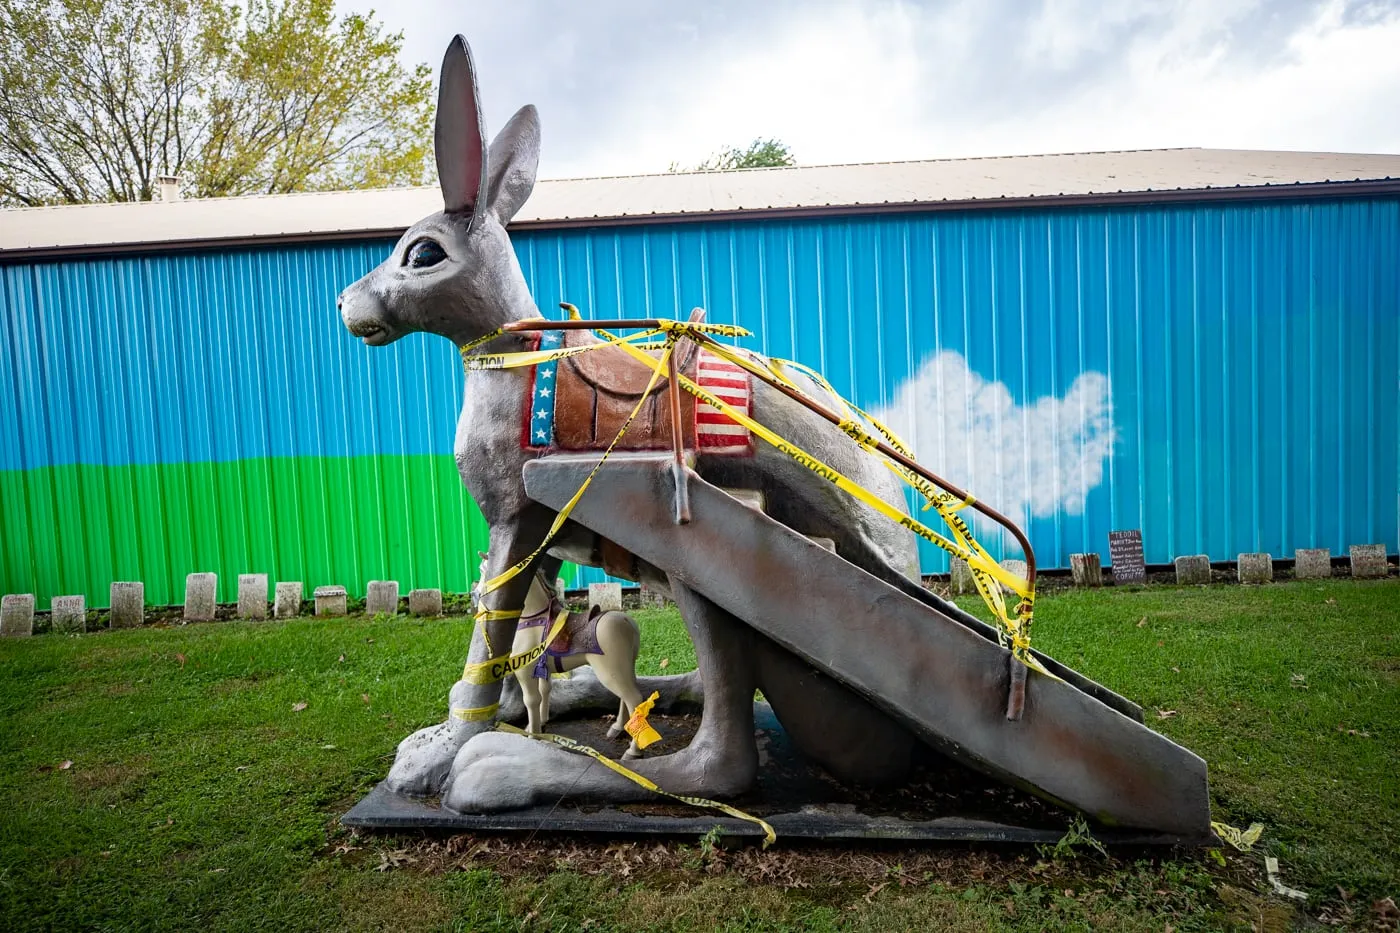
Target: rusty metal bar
column 1016, row 694
column 820, row 409
column 515, row 327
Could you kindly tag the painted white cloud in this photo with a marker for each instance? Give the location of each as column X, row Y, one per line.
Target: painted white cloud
column 1036, row 458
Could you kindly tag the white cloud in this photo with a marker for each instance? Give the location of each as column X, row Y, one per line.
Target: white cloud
column 626, row 87
column 1035, row 459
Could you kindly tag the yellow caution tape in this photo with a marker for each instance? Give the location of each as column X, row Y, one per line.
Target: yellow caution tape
column 498, row 668
column 495, row 615
column 475, row 714
column 988, row 575
column 567, row 743
column 496, row 582
column 1016, row 628
column 637, row 726
column 1243, row 840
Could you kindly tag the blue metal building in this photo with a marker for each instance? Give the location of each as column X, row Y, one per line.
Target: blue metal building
column 1211, row 355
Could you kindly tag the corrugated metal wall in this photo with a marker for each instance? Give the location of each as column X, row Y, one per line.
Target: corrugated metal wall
column 1224, row 378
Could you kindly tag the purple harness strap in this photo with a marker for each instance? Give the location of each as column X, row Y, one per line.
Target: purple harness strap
column 579, row 636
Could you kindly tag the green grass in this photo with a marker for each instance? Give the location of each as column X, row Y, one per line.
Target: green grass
column 200, row 796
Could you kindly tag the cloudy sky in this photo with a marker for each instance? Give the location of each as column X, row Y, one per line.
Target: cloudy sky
column 631, row 86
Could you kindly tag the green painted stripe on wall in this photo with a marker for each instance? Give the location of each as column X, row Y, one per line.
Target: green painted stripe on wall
column 348, row 520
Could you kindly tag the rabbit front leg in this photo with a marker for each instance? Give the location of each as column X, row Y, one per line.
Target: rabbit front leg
column 424, row 759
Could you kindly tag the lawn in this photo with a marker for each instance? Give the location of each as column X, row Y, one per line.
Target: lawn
column 191, row 777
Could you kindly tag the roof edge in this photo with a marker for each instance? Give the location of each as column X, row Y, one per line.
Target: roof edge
column 1303, row 191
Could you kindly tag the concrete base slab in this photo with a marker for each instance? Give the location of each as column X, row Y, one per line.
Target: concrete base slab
column 793, row 795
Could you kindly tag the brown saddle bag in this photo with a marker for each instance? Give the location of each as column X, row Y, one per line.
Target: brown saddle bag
column 597, row 390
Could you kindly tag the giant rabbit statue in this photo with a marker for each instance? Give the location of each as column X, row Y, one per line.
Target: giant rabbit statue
column 455, row 274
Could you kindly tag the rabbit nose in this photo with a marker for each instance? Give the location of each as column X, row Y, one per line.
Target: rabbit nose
column 340, row 302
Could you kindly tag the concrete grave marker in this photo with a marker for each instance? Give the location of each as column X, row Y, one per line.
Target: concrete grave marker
column 330, row 600
column 960, row 575
column 1018, row 567
column 1368, row 561
column 68, row 614
column 1312, row 563
column 426, row 602
column 201, row 590
column 128, row 604
column 287, row 601
column 1256, row 568
column 606, row 596
column 1125, row 555
column 382, row 597
column 17, row 614
column 1086, row 569
column 252, row 596
column 1193, row 570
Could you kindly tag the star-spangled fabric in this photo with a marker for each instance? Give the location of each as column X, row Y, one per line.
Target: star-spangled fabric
column 715, row 432
column 542, row 398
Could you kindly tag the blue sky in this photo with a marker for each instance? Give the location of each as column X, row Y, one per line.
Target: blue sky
column 628, row 87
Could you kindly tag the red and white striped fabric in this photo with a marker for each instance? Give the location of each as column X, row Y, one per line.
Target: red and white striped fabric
column 715, row 432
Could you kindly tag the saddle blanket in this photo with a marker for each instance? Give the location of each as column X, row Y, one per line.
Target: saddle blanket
column 713, row 431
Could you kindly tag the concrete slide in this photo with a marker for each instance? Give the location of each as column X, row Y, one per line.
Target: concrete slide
column 923, row 661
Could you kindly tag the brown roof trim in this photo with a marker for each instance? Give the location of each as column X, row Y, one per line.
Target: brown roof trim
column 1330, row 190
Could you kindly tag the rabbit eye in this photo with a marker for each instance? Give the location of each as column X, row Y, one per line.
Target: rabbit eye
column 424, row 253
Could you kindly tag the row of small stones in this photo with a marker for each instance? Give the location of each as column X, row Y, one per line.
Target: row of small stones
column 1368, row 562
column 128, row 602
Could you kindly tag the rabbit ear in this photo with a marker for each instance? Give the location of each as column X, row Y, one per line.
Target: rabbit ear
column 459, row 139
column 514, row 159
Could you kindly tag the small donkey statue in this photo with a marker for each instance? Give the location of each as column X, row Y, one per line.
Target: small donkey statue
column 606, row 641
column 455, row 274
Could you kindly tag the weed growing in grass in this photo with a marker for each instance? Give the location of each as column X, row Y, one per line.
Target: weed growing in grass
column 707, row 849
column 1069, row 846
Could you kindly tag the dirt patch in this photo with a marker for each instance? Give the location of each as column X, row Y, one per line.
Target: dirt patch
column 112, row 775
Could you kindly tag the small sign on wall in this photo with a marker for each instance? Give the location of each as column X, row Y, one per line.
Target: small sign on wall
column 1125, row 554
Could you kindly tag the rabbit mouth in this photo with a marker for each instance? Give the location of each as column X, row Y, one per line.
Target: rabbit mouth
column 373, row 335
